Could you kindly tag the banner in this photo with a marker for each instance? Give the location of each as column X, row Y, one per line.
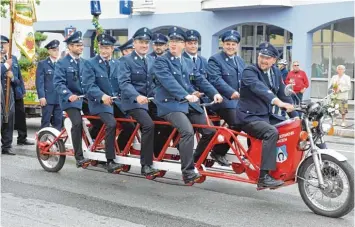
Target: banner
column 24, row 15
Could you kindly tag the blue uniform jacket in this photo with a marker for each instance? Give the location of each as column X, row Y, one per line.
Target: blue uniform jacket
column 225, row 76
column 256, row 95
column 173, row 84
column 67, row 80
column 97, row 82
column 17, row 84
column 44, row 81
column 201, row 67
column 135, row 79
column 4, row 79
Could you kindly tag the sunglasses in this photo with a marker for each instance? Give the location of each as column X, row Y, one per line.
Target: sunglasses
column 296, row 65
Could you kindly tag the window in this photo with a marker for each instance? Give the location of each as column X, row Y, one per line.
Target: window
column 332, row 46
column 247, row 35
column 320, row 61
column 323, row 35
column 275, row 35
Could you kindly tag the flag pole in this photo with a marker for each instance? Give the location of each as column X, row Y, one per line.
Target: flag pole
column 9, row 72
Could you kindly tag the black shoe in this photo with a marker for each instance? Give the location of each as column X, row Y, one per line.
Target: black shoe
column 26, row 142
column 190, row 177
column 148, row 170
column 82, row 162
column 114, row 167
column 269, row 182
column 7, row 152
column 220, row 159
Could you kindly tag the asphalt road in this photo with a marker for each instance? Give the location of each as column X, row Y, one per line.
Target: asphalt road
column 92, row 197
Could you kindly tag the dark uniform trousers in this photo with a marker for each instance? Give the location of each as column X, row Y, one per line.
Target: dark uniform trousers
column 47, row 118
column 161, row 132
column 229, row 116
column 269, row 135
column 7, row 131
column 147, row 129
column 76, row 130
column 182, row 122
column 20, row 121
column 110, row 134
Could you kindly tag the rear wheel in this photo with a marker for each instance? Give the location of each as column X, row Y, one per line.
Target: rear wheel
column 50, row 163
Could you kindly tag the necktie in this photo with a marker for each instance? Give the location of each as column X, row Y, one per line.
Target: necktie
column 270, row 78
column 144, row 61
column 107, row 62
column 194, row 59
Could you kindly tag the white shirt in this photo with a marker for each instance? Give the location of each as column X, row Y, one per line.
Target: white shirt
column 343, row 84
column 192, row 56
column 53, row 60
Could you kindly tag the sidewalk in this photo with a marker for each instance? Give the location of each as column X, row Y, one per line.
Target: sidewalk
column 349, row 129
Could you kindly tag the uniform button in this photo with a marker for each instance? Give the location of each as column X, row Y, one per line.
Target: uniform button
column 174, row 72
column 165, row 100
column 183, row 75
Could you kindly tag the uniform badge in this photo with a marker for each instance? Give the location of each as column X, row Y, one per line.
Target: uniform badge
column 192, row 32
column 64, row 91
column 270, row 92
column 103, row 36
column 175, row 28
column 71, row 60
column 172, row 58
column 145, row 29
column 226, row 59
column 135, row 58
column 100, row 61
column 266, row 45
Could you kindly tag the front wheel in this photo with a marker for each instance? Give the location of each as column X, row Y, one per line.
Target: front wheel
column 336, row 198
column 50, row 163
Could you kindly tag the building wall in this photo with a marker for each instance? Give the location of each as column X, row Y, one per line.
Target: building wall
column 300, row 20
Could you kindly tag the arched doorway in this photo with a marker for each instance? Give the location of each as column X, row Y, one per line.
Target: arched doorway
column 333, row 45
column 255, row 33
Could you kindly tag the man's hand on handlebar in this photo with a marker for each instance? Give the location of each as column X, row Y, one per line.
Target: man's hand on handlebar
column 235, row 95
column 107, row 100
column 191, row 98
column 218, row 98
column 142, row 99
column 198, row 94
column 289, row 107
column 73, row 98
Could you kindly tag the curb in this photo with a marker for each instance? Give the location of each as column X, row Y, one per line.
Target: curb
column 350, row 133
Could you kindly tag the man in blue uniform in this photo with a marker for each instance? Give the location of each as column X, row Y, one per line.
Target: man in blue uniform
column 191, row 52
column 47, row 95
column 173, row 87
column 136, row 85
column 101, row 86
column 261, row 88
column 159, row 45
column 19, row 92
column 127, row 47
column 7, row 129
column 224, row 72
column 68, row 85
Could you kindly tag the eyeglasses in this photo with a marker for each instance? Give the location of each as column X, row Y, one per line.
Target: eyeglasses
column 296, row 65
